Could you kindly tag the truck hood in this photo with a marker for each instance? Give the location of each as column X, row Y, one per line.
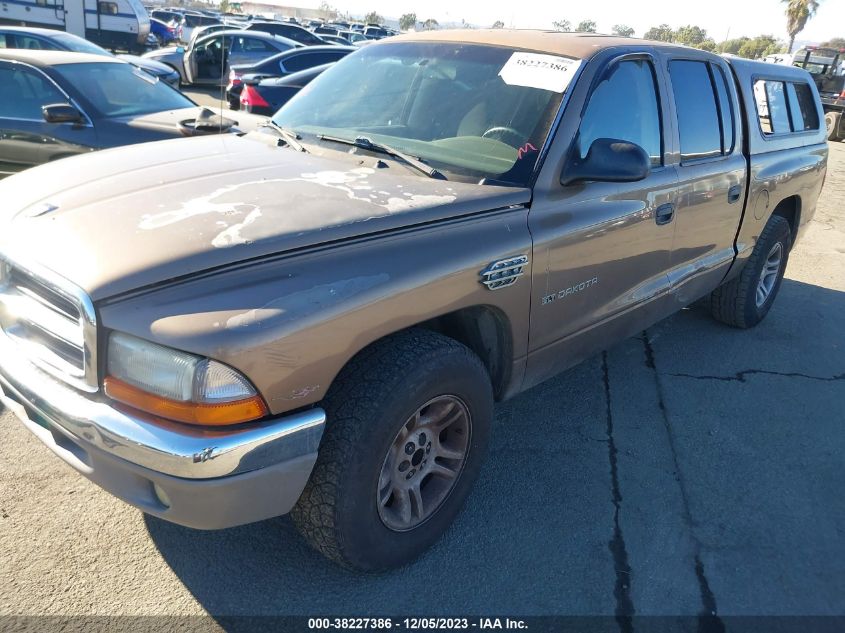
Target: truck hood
column 121, row 219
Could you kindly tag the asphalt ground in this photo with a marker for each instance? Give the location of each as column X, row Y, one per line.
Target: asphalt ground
column 694, row 469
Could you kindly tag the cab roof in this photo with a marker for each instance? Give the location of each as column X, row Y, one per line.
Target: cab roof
column 577, row 45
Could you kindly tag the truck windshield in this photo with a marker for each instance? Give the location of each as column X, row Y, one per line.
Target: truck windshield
column 471, row 111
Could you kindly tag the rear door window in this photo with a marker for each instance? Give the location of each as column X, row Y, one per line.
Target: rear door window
column 309, row 60
column 635, row 119
column 252, row 45
column 699, row 123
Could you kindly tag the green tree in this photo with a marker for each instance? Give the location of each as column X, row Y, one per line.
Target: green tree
column 498, row 24
column 623, row 30
column 373, row 18
column 225, row 6
column 797, row 14
column 430, row 24
column 760, row 46
column 586, row 26
column 662, row 33
column 408, row 21
column 562, row 25
column 732, row 46
column 836, row 42
column 689, row 35
column 751, row 48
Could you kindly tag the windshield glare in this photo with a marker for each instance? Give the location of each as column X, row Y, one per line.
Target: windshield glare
column 120, row 90
column 442, row 102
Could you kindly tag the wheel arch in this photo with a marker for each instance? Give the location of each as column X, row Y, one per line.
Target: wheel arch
column 484, row 329
column 790, row 209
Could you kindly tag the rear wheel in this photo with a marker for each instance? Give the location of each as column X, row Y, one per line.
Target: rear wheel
column 408, row 428
column 831, row 122
column 745, row 300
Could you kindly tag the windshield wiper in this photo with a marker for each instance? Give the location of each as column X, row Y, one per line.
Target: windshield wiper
column 368, row 144
column 288, row 136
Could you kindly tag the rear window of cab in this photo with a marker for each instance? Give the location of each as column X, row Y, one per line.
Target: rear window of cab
column 785, row 107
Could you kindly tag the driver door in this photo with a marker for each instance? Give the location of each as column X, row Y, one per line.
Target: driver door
column 602, row 249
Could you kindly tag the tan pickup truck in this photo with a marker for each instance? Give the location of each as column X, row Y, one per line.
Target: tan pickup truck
column 318, row 317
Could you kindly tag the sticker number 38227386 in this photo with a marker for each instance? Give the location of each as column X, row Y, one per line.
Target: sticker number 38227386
column 534, row 70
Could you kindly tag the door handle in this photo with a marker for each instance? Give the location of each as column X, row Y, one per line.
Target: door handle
column 664, row 213
column 734, row 193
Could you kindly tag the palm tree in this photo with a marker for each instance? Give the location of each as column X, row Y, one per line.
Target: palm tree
column 797, row 14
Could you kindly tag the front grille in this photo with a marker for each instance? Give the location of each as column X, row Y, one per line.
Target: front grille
column 49, row 323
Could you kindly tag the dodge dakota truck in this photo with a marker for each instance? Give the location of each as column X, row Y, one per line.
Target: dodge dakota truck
column 316, row 318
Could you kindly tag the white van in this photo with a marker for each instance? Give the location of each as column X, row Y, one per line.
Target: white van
column 114, row 24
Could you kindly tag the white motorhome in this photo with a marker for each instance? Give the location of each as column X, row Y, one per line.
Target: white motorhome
column 114, row 24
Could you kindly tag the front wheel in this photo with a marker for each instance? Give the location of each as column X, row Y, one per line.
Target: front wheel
column 408, row 427
column 745, row 300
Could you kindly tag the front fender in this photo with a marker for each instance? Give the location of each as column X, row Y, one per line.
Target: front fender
column 291, row 322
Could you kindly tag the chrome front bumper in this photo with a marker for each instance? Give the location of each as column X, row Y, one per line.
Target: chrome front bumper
column 211, row 478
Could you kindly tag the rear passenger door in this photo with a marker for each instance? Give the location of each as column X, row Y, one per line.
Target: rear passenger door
column 26, row 139
column 711, row 171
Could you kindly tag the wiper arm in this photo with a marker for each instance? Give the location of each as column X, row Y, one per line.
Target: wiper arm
column 368, row 144
column 288, row 136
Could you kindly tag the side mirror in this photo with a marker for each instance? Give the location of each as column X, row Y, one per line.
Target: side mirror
column 180, row 49
column 608, row 160
column 61, row 113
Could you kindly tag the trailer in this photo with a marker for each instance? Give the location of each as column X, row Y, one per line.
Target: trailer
column 113, row 24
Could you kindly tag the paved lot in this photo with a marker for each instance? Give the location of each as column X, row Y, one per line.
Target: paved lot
column 212, row 97
column 693, row 469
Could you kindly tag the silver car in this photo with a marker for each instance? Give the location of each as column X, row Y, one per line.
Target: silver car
column 207, row 60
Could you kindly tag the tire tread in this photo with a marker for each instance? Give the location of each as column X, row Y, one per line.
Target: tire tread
column 350, row 404
column 729, row 302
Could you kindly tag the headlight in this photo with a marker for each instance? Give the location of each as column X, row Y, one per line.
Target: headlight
column 178, row 386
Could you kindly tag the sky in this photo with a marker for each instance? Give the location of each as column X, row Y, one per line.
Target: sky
column 721, row 18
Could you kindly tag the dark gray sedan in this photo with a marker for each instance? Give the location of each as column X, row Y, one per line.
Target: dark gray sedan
column 56, row 104
column 51, row 40
column 207, row 61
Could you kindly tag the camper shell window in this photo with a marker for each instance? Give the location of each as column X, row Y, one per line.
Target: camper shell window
column 785, row 107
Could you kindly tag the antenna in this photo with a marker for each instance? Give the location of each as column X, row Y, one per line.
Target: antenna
column 222, row 87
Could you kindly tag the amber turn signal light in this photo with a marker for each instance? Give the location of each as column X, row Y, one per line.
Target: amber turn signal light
column 204, row 414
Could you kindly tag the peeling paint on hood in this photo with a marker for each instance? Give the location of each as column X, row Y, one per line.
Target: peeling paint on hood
column 139, row 215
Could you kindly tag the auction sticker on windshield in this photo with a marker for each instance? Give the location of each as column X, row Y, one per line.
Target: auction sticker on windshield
column 534, row 70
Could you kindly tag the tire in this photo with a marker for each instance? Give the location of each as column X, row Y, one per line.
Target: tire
column 737, row 302
column 341, row 513
column 831, row 122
